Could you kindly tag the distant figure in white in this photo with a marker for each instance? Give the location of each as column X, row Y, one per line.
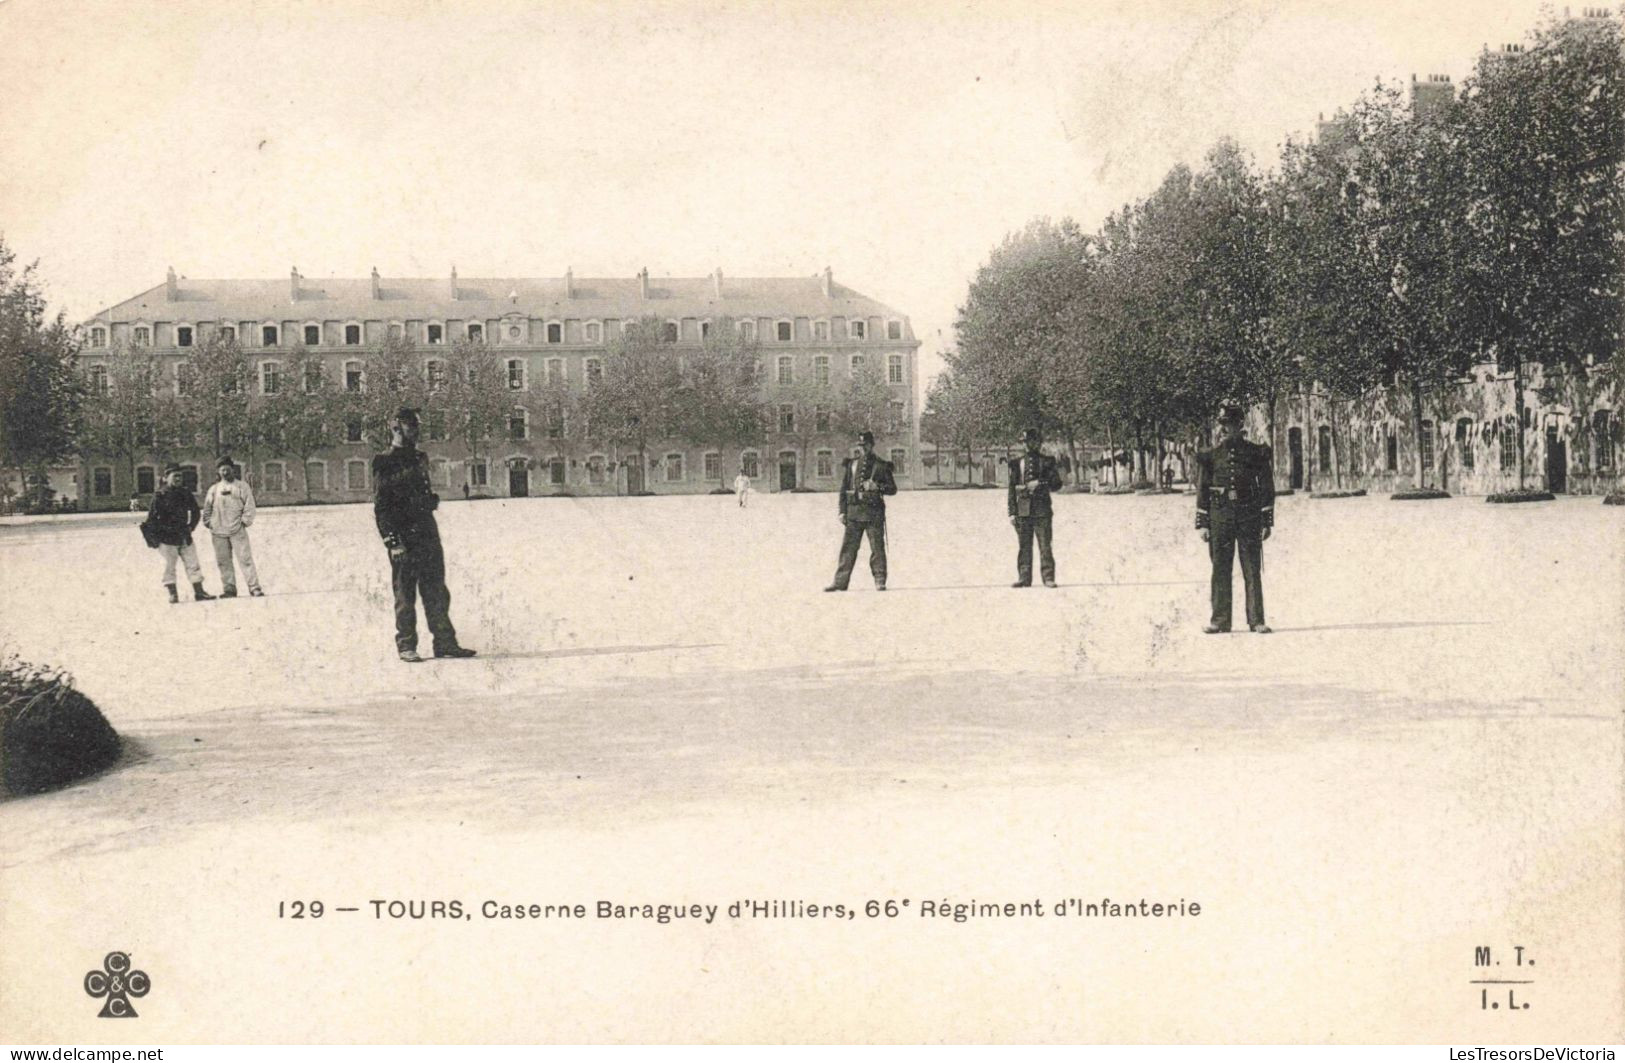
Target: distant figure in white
column 741, row 488
column 228, row 510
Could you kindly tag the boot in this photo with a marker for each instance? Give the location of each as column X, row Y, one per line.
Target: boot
column 228, row 592
column 199, row 594
column 173, row 597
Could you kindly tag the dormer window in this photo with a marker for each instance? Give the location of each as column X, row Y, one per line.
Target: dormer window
column 228, row 334
column 436, row 333
column 397, row 330
column 894, row 330
column 98, row 336
column 705, row 330
column 785, row 331
column 857, row 329
column 313, row 335
column 820, row 330
column 476, row 332
column 747, row 331
column 183, row 336
column 352, row 335
column 555, row 332
column 268, row 336
column 141, row 336
column 668, row 332
column 594, row 331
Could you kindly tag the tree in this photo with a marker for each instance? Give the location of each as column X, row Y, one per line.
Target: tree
column 721, row 404
column 475, row 397
column 40, row 387
column 215, row 401
column 951, row 417
column 637, row 398
column 1544, row 133
column 394, row 378
column 297, row 422
column 120, row 413
column 865, row 403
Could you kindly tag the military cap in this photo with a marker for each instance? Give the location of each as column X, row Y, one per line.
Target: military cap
column 1230, row 411
column 225, row 460
column 406, row 414
column 1031, row 434
column 866, row 436
column 172, row 467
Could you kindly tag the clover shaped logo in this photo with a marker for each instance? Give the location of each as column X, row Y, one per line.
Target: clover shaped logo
column 118, row 984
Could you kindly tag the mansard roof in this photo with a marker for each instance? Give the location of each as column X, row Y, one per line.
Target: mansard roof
column 419, row 298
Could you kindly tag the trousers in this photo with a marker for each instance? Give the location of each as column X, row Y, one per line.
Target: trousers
column 188, row 556
column 1027, row 528
column 225, row 546
column 1227, row 537
column 849, row 551
column 422, row 573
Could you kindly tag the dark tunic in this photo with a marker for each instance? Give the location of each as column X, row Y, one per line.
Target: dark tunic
column 1235, row 501
column 172, row 516
column 403, row 507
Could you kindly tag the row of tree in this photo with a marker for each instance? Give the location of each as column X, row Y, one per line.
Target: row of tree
column 1399, row 248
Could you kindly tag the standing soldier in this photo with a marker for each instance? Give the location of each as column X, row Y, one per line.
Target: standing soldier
column 1235, row 507
column 865, row 483
column 403, row 506
column 170, row 522
column 228, row 510
column 1032, row 477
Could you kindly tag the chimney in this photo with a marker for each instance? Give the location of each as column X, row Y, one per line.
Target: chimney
column 171, row 291
column 377, row 292
column 716, row 283
column 454, row 283
column 643, row 282
column 293, row 284
column 569, row 283
column 1431, row 98
column 829, row 283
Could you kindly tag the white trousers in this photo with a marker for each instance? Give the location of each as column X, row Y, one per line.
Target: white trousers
column 188, row 554
column 227, row 545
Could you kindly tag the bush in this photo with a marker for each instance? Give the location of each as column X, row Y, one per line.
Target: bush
column 1615, row 498
column 1522, row 494
column 1358, row 492
column 50, row 734
column 1418, row 494
column 719, row 491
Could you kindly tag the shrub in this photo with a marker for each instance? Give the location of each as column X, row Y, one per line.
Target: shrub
column 1522, row 494
column 1358, row 492
column 50, row 733
column 1418, row 494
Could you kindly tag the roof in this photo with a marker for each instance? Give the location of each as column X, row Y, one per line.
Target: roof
column 418, row 298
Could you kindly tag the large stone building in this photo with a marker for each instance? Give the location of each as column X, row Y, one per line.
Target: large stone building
column 542, row 331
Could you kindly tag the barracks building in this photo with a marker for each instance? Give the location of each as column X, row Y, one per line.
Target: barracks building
column 542, row 331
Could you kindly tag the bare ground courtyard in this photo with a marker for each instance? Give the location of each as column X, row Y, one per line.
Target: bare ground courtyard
column 1426, row 757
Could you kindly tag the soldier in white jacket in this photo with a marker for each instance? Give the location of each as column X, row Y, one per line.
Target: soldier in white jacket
column 228, row 510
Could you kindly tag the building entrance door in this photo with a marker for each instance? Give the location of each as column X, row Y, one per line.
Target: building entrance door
column 787, row 471
column 1557, row 462
column 634, row 475
column 518, row 480
column 1294, row 446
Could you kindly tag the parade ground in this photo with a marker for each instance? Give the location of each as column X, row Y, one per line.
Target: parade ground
column 1424, row 759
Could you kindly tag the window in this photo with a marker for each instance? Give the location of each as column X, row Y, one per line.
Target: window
column 1464, row 443
column 436, row 332
column 1427, row 444
column 1509, row 445
column 825, row 464
column 595, row 371
column 674, row 468
column 518, row 424
column 313, row 377
column 316, row 476
column 478, row 474
column 98, row 336
column 434, row 372
column 355, row 474
column 352, row 335
column 787, row 419
column 784, row 330
column 183, row 336
column 102, row 480
column 894, row 369
column 821, row 419
column 757, row 371
column 352, row 376
column 857, row 328
column 705, row 330
column 555, row 371
column 594, row 332
column 476, row 332
column 516, row 374
column 397, row 330
column 555, row 422
column 141, row 336
column 270, row 378
column 821, row 329
column 856, row 364
column 276, row 476
column 1393, row 451
column 1602, row 426
column 146, row 479
column 434, row 426
column 313, row 335
column 747, row 331
column 750, row 463
column 228, row 334
column 821, row 370
column 894, row 330
column 268, row 336
column 98, row 379
column 899, row 458
column 595, row 469
column 713, row 466
column 787, row 371
column 555, row 471
column 668, row 332
column 183, row 379
column 1325, row 438
column 555, row 332
column 896, row 407
column 353, row 429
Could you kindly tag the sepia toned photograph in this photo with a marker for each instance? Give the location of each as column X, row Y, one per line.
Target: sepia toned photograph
column 699, row 522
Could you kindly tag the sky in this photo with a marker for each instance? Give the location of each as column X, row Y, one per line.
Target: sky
column 895, row 142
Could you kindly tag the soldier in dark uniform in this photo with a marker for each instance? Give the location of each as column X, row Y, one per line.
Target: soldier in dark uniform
column 1235, row 508
column 1032, row 477
column 865, row 483
column 403, row 506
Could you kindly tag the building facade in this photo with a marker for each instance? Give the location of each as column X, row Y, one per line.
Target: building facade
column 809, row 332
